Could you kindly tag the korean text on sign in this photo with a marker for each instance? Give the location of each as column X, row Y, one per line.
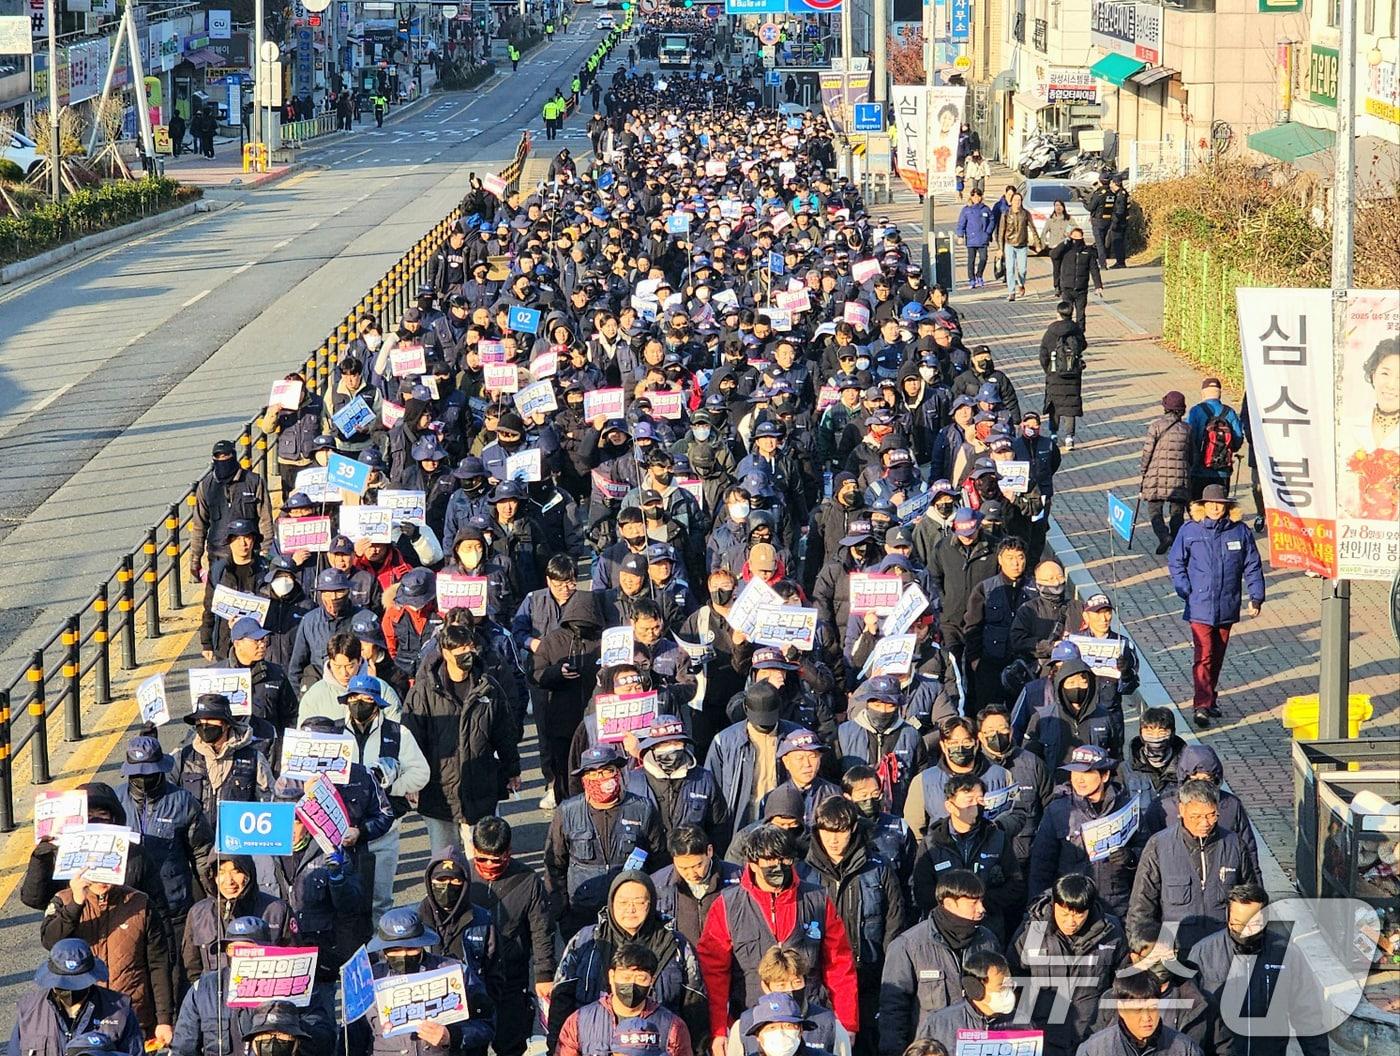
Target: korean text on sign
column 405, row 1001
column 622, row 713
column 874, row 592
column 306, row 754
column 258, row 974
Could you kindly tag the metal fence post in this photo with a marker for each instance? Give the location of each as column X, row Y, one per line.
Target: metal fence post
column 73, row 671
column 151, row 578
column 37, row 710
column 7, row 786
column 126, row 605
column 172, row 551
column 101, row 637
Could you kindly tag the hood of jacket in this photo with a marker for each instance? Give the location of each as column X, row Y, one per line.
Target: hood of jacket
column 1068, row 669
column 457, row 858
column 1098, row 926
column 851, row 863
column 1197, row 757
column 580, row 615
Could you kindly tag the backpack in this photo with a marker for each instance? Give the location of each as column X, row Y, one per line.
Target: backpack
column 1069, row 356
column 1218, row 443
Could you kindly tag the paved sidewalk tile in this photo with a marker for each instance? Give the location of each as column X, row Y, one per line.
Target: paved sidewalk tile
column 1270, row 658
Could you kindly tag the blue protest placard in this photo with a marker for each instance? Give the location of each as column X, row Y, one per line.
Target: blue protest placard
column 354, row 417
column 357, row 985
column 1120, row 518
column 347, row 474
column 678, row 224
column 870, row 117
column 776, row 264
column 773, row 79
column 255, row 828
column 794, row 124
column 524, row 320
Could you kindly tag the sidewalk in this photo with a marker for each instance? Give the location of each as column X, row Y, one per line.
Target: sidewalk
column 1270, row 658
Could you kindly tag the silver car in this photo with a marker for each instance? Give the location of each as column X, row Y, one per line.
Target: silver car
column 1040, row 197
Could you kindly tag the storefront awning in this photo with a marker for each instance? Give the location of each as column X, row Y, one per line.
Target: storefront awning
column 1005, row 81
column 1291, row 141
column 1115, row 69
column 204, row 57
column 1152, row 75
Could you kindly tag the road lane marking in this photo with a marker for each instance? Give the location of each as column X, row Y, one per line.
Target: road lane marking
column 283, row 244
column 244, row 267
column 197, row 298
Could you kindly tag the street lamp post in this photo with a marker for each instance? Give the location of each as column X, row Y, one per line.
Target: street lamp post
column 55, row 147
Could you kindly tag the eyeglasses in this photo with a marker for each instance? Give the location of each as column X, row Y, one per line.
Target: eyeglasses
column 632, row 903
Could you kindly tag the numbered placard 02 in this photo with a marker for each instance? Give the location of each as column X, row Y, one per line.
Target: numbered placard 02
column 255, row 828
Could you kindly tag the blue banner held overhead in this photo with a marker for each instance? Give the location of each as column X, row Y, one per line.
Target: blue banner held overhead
column 1121, row 518
column 255, row 828
column 678, row 224
column 357, row 985
column 776, row 264
column 524, row 320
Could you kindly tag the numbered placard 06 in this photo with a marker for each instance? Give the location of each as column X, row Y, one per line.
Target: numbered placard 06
column 255, row 828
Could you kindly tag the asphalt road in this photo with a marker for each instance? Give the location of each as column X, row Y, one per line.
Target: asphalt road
column 118, row 371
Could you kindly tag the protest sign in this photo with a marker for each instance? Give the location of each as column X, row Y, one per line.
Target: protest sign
column 779, row 319
column 99, row 852
column 492, row 184
column 323, row 813
column 1000, row 1043
column 500, row 377
column 910, row 607
column 612, row 490
column 604, row 403
column 311, row 482
column 285, row 394
column 678, row 223
column 152, row 701
column 874, row 592
column 783, row 625
column 858, row 315
column 255, row 828
column 536, row 398
column 354, row 418
column 727, row 299
column 390, row 414
column 1105, row 835
column 405, row 1001
column 523, row 320
column 525, row 465
column 997, row 801
column 410, row 507
column 259, row 974
column 306, row 754
column 756, row 595
column 694, row 487
column 373, row 524
column 429, row 382
column 230, row 604
column 617, row 648
column 666, row 404
column 407, row 360
column 622, row 713
column 456, row 591
column 780, row 220
column 347, row 474
column 492, row 352
column 312, row 534
column 545, row 365
column 236, row 683
column 1101, row 654
column 892, row 655
column 793, row 301
column 356, row 986
column 828, row 395
column 865, row 270
column 57, row 812
column 1014, row 477
column 914, row 507
column 717, row 168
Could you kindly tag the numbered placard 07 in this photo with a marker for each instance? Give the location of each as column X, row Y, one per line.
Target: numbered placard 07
column 255, row 828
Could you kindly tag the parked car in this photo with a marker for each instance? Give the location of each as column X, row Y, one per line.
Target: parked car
column 23, row 151
column 1041, row 195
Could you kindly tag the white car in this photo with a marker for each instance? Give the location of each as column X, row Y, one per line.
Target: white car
column 1041, row 195
column 23, row 151
column 605, row 24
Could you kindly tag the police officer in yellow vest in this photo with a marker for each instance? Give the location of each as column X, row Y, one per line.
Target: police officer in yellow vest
column 551, row 118
column 513, row 53
column 549, row 28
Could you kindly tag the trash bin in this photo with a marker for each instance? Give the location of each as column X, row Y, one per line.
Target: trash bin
column 1300, row 715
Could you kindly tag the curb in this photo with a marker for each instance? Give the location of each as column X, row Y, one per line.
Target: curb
column 1153, row 694
column 23, row 269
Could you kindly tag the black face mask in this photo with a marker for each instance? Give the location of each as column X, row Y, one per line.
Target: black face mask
column 671, row 761
column 654, row 513
column 779, row 876
column 338, row 607
column 870, row 808
column 446, row 893
column 944, row 509
column 723, row 595
column 880, row 721
column 1247, row 943
column 274, row 1046
column 632, row 995
column 1052, row 591
column 147, row 784
column 1077, row 696
column 71, row 998
column 988, row 487
column 403, row 962
column 961, row 754
column 361, row 711
column 999, row 743
column 209, row 733
column 1157, row 752
column 636, row 545
column 225, row 469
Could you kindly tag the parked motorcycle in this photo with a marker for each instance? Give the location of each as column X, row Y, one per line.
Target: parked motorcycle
column 1044, row 155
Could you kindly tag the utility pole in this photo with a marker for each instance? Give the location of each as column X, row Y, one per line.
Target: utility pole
column 55, row 147
column 848, row 158
column 1334, row 675
column 930, row 254
column 878, row 47
column 259, row 91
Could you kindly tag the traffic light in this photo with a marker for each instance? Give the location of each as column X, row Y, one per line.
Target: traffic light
column 626, row 6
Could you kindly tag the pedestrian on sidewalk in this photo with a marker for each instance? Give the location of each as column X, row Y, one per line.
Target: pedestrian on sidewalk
column 1166, row 469
column 975, row 227
column 1216, row 435
column 1062, row 359
column 975, row 173
column 1016, row 233
column 176, row 127
column 1056, row 227
column 1213, row 564
column 1074, row 265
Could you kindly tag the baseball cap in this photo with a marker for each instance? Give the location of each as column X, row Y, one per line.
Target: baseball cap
column 1089, row 757
column 1098, row 603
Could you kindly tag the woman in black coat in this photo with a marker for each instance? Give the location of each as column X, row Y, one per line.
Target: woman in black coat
column 566, row 668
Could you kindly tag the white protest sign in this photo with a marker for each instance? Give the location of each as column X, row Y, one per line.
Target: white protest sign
column 373, row 524
column 617, row 648
column 407, row 360
column 259, row 974
column 57, row 812
column 456, row 591
column 1101, row 654
column 151, row 700
column 236, row 683
column 410, row 507
column 666, row 403
column 306, row 754
column 793, row 301
column 99, row 852
column 911, row 606
column 545, row 365
column 405, row 1002
column 784, row 625
column 997, row 801
column 756, row 595
column 865, row 270
column 493, row 184
column 312, row 534
column 780, row 319
column 1105, row 835
column 1014, row 477
column 311, row 482
column 892, row 655
column 390, row 414
column 858, row 315
column 874, row 592
column 622, row 713
column 537, row 398
column 525, row 465
column 500, row 377
column 285, row 394
column 230, row 604
column 604, row 403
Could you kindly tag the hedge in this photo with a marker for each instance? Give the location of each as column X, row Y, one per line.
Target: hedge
column 87, row 211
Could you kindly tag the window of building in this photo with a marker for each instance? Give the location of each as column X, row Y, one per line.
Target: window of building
column 1334, row 12
column 1368, row 20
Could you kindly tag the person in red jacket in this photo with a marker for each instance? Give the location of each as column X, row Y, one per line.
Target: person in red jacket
column 770, row 906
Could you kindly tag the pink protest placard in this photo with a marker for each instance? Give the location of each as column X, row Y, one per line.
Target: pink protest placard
column 312, row 534
column 873, row 592
column 259, row 974
column 407, row 359
column 500, row 377
column 858, row 315
column 456, row 591
column 865, row 270
column 667, row 404
column 604, row 403
column 622, row 713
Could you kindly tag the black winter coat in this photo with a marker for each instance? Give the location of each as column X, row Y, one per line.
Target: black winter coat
column 955, row 569
column 1075, row 264
column 1062, row 391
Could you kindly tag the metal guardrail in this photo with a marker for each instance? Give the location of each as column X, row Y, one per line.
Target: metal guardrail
column 296, row 133
column 154, row 573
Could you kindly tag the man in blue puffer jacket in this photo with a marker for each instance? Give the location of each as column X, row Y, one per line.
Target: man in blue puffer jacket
column 1213, row 563
column 976, row 223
